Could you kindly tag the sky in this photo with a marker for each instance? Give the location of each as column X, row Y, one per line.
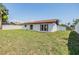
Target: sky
column 24, row 12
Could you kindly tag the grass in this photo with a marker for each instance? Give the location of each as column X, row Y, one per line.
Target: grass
column 31, row 42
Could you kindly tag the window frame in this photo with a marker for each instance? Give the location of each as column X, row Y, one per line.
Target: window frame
column 43, row 27
column 31, row 27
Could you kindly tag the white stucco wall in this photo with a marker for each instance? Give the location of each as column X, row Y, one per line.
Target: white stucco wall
column 27, row 27
column 52, row 27
column 77, row 28
column 36, row 27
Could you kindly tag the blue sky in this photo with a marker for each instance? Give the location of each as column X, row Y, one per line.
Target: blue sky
column 30, row 11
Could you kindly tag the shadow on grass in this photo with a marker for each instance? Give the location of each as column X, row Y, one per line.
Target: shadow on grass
column 73, row 43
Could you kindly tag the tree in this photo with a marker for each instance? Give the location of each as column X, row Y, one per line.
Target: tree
column 67, row 26
column 3, row 14
column 68, row 23
column 75, row 22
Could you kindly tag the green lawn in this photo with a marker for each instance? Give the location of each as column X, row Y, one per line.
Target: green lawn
column 31, row 42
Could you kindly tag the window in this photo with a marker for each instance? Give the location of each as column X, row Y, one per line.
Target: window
column 44, row 27
column 41, row 27
column 25, row 25
column 31, row 27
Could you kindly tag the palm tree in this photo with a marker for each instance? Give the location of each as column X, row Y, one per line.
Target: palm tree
column 3, row 14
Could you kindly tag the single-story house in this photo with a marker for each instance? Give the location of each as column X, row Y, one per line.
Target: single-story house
column 43, row 25
column 77, row 28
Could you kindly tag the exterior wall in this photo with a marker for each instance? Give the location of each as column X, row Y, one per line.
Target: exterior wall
column 36, row 27
column 61, row 28
column 52, row 27
column 77, row 28
column 10, row 27
column 27, row 27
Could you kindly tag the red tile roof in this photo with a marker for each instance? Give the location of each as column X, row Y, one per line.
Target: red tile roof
column 43, row 21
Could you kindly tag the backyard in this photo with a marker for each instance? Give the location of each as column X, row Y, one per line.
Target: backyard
column 32, row 42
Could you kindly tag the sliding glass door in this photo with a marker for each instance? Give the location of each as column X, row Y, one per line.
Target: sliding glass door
column 44, row 27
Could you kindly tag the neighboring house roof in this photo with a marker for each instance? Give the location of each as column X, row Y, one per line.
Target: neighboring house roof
column 43, row 21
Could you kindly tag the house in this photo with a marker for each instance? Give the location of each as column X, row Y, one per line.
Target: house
column 42, row 25
column 77, row 28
